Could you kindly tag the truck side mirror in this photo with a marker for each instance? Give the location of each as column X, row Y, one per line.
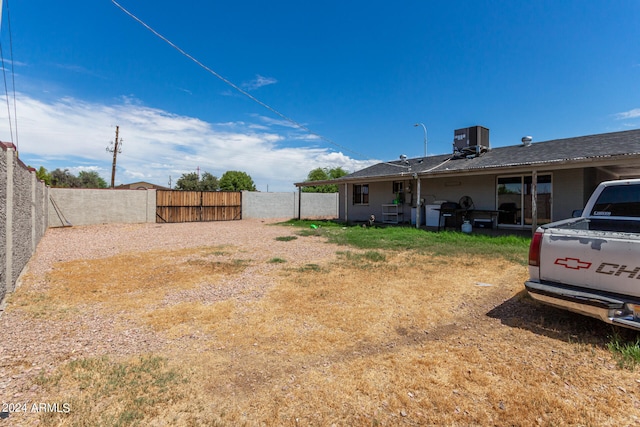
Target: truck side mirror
column 576, row 213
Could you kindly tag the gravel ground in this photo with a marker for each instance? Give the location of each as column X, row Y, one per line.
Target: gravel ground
column 256, row 237
column 31, row 345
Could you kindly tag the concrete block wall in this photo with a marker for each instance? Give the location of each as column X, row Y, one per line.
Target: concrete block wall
column 268, row 205
column 40, row 208
column 289, row 205
column 319, row 205
column 77, row 206
column 80, row 206
column 22, row 219
column 23, row 211
column 4, row 181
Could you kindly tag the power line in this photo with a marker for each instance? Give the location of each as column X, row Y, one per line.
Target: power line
column 13, row 74
column 4, row 75
column 234, row 86
column 6, row 92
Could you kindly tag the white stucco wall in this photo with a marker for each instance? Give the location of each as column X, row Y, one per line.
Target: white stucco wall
column 570, row 191
column 480, row 188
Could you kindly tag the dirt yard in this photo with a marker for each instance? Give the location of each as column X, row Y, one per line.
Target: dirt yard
column 248, row 323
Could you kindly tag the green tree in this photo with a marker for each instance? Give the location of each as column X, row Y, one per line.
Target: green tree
column 188, row 182
column 85, row 179
column 64, row 179
column 324, row 174
column 91, row 179
column 236, row 181
column 43, row 175
column 191, row 182
column 209, row 182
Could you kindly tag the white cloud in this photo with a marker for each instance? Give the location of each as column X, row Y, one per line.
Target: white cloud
column 299, row 133
column 275, row 122
column 74, row 134
column 259, row 82
column 631, row 114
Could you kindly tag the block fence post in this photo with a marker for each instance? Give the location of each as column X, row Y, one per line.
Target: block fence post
column 34, row 211
column 9, row 151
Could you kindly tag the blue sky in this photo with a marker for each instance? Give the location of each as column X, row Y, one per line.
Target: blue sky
column 356, row 75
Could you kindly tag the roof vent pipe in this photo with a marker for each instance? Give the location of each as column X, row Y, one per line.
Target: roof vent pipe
column 526, row 140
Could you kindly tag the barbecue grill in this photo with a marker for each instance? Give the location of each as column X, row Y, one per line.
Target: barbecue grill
column 449, row 211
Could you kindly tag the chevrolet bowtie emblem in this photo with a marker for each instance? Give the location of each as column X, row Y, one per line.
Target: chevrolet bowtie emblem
column 572, row 263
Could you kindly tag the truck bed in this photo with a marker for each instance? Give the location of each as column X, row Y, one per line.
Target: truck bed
column 600, row 224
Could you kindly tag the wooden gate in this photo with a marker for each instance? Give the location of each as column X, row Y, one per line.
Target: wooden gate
column 194, row 206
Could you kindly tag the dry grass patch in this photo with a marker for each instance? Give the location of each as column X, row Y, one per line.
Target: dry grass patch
column 402, row 340
column 128, row 282
column 181, row 319
column 115, row 393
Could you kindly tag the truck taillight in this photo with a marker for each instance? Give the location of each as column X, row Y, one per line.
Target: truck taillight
column 534, row 250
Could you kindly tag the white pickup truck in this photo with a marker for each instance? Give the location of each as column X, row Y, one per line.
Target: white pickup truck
column 591, row 264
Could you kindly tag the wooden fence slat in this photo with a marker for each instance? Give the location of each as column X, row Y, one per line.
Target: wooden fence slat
column 194, row 206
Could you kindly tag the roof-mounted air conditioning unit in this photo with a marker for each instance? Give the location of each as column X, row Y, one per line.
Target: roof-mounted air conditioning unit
column 471, row 142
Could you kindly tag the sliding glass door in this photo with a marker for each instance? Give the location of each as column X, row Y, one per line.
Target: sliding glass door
column 514, row 200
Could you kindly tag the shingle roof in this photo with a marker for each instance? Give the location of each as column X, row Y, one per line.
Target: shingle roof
column 568, row 150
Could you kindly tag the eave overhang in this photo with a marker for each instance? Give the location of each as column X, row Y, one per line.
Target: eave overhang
column 630, row 160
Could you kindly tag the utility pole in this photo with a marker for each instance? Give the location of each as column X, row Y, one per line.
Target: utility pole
column 117, row 148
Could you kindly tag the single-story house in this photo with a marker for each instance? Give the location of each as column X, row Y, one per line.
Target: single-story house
column 519, row 186
column 141, row 185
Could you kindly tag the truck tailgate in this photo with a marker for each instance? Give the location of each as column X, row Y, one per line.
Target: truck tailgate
column 608, row 261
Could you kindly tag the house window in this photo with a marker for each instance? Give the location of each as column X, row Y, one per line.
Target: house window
column 514, row 200
column 398, row 191
column 361, row 194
